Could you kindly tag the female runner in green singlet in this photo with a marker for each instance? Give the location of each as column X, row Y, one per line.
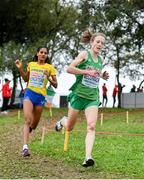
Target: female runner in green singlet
column 87, row 67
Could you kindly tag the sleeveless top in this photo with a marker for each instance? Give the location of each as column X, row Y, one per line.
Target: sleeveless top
column 86, row 86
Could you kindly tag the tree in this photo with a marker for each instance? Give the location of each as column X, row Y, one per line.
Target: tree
column 126, row 41
column 53, row 25
column 59, row 25
column 11, row 51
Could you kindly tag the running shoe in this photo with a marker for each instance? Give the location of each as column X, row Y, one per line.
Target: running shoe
column 88, row 162
column 59, row 126
column 25, row 152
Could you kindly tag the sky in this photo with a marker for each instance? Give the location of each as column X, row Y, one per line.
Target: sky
column 65, row 81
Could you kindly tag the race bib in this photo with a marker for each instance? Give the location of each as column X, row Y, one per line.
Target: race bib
column 91, row 82
column 37, row 79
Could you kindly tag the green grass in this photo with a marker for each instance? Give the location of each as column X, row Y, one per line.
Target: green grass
column 116, row 154
column 119, row 154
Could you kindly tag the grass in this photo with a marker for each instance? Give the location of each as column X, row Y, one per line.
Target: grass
column 120, row 154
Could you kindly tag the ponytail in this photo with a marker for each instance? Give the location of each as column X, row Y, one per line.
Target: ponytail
column 88, row 36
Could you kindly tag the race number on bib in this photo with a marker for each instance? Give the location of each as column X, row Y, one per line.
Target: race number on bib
column 91, row 82
column 37, row 80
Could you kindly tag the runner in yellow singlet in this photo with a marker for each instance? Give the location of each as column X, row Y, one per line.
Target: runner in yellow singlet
column 37, row 75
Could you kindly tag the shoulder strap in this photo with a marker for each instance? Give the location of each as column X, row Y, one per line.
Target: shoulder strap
column 100, row 58
column 89, row 55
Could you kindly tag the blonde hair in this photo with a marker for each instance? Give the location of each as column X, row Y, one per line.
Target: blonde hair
column 88, row 36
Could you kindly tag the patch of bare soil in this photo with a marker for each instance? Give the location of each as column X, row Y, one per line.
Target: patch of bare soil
column 14, row 166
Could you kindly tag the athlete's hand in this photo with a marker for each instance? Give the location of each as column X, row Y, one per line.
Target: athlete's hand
column 18, row 63
column 91, row 72
column 46, row 73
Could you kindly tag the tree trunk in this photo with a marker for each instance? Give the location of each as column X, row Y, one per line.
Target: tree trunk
column 141, row 84
column 117, row 76
column 20, row 81
column 14, row 88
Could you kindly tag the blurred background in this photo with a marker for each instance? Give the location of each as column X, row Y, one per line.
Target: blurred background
column 58, row 24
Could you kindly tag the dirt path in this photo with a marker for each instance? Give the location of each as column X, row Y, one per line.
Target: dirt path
column 14, row 166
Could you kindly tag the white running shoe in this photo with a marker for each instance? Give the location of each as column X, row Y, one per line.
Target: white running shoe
column 59, row 126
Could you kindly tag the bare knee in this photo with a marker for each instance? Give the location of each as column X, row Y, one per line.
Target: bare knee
column 28, row 120
column 91, row 127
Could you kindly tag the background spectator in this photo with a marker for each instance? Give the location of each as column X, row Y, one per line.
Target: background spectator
column 104, row 89
column 6, row 95
column 133, row 89
column 115, row 91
